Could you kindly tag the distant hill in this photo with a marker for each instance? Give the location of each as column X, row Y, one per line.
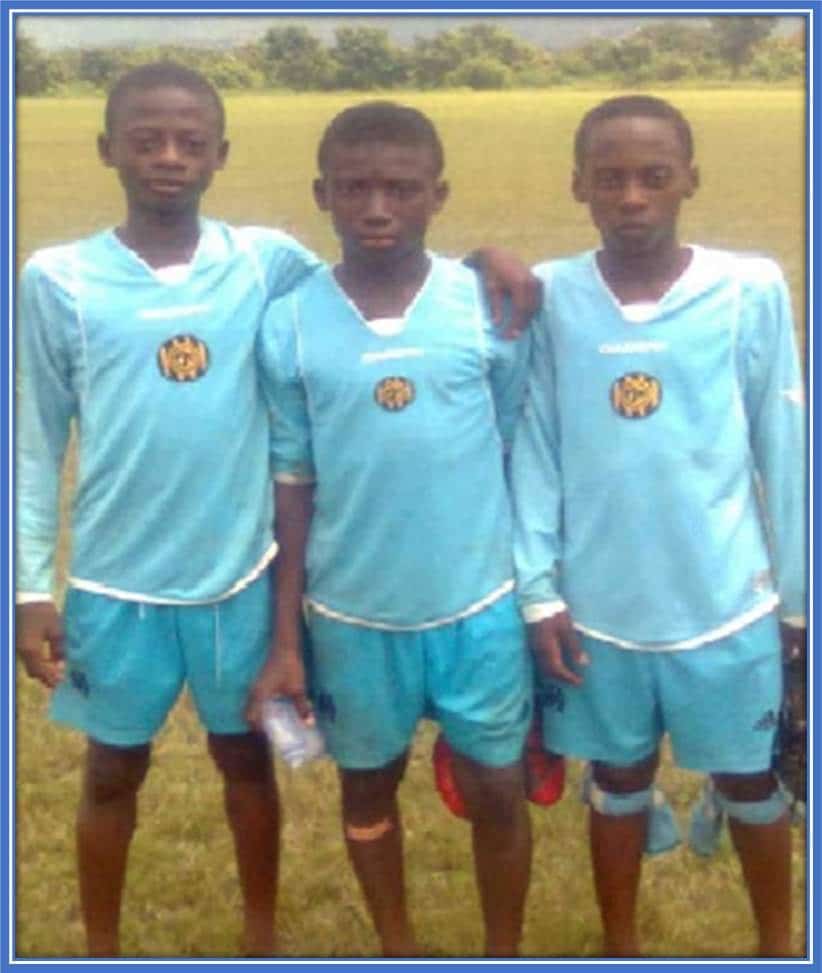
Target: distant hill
column 552, row 31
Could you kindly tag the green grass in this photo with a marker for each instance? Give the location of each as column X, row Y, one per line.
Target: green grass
column 508, row 161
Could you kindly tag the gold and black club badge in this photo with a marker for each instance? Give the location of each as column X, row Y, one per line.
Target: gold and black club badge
column 636, row 395
column 394, row 393
column 183, row 358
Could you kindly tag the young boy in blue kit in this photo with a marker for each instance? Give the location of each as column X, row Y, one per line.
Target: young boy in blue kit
column 659, row 489
column 143, row 336
column 394, row 402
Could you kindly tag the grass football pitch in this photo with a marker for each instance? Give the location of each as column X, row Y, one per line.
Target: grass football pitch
column 508, row 159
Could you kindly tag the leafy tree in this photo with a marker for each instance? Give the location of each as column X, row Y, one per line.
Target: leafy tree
column 483, row 73
column 100, row 65
column 572, row 64
column 490, row 40
column 229, row 72
column 292, row 56
column 673, row 67
column 633, row 57
column 366, row 59
column 600, row 56
column 34, row 74
column 433, row 58
column 436, row 60
column 737, row 37
column 779, row 59
column 676, row 37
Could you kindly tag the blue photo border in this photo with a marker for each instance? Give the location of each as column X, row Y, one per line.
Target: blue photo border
column 808, row 9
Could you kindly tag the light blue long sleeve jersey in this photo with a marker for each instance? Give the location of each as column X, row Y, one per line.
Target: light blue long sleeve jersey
column 173, row 486
column 402, row 424
column 659, row 469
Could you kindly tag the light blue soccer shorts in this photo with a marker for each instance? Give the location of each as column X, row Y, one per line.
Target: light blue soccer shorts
column 127, row 662
column 370, row 687
column 719, row 703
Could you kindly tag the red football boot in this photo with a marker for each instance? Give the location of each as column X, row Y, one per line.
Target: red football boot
column 443, row 760
column 544, row 770
column 544, row 773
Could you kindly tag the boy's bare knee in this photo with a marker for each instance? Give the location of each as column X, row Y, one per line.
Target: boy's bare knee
column 625, row 780
column 746, row 787
column 114, row 772
column 241, row 756
column 494, row 794
column 369, row 795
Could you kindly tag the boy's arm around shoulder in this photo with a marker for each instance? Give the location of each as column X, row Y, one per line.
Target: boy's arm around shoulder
column 513, row 292
column 507, row 376
column 285, row 261
column 46, row 404
column 774, row 399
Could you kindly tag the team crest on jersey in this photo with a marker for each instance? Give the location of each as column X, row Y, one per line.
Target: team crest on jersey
column 636, row 395
column 183, row 358
column 394, row 393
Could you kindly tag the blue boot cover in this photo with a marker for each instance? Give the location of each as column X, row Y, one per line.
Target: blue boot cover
column 663, row 831
column 713, row 807
column 756, row 812
column 707, row 818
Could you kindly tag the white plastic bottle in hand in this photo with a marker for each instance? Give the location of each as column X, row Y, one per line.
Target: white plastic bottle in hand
column 294, row 740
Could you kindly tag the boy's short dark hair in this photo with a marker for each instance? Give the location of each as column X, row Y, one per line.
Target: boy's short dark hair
column 633, row 106
column 381, row 121
column 162, row 74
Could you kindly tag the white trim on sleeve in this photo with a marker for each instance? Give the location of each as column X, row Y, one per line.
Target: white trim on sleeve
column 294, row 479
column 30, row 597
column 540, row 610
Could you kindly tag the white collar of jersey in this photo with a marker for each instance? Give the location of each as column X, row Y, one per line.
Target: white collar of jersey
column 173, row 273
column 386, row 327
column 639, row 312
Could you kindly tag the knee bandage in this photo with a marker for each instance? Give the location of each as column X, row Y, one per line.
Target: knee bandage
column 368, row 832
column 663, row 830
column 710, row 812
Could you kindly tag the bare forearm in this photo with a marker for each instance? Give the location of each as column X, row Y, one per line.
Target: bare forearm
column 295, row 506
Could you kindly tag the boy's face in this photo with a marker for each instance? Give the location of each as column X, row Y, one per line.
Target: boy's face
column 381, row 197
column 634, row 177
column 166, row 145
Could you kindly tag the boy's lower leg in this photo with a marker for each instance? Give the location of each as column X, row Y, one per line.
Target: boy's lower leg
column 106, row 820
column 617, row 844
column 764, row 850
column 373, row 838
column 501, row 838
column 616, row 856
column 252, row 809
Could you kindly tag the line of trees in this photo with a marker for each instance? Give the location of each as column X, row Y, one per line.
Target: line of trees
column 482, row 56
